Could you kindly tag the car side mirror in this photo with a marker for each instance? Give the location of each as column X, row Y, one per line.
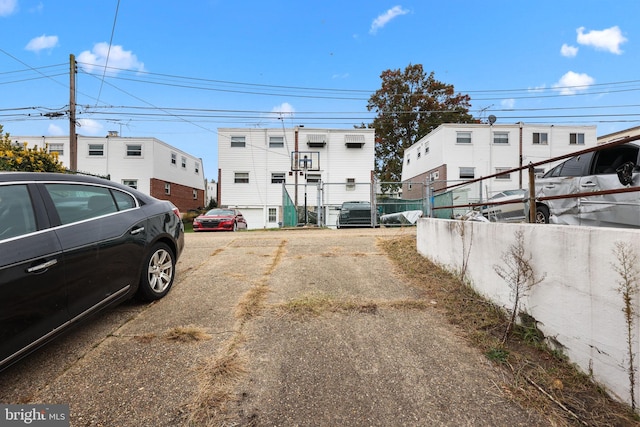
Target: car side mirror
column 625, row 173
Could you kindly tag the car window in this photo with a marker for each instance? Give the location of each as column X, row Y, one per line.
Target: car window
column 573, row 167
column 607, row 161
column 16, row 211
column 80, row 202
column 124, row 200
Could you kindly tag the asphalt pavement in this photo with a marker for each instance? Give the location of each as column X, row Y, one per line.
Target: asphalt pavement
column 373, row 353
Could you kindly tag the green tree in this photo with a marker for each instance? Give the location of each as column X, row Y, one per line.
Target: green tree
column 409, row 105
column 18, row 157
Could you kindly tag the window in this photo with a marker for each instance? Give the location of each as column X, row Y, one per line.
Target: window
column 134, row 150
column 123, row 200
column 467, row 173
column 419, row 153
column 540, row 138
column 316, row 140
column 184, row 163
column 133, row 183
column 408, row 158
column 463, row 137
column 195, row 194
column 16, row 211
column 174, row 159
column 576, row 138
column 505, row 176
column 197, row 168
column 277, row 177
column 501, row 137
column 241, row 178
column 351, row 184
column 434, row 176
column 354, row 141
column 273, row 214
column 75, row 202
column 56, row 148
column 167, row 188
column 238, row 141
column 313, row 177
column 276, row 141
column 426, row 149
column 96, row 150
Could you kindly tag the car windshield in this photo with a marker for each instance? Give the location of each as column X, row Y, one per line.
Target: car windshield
column 216, row 212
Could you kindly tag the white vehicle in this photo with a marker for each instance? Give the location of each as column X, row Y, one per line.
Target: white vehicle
column 615, row 170
column 509, row 209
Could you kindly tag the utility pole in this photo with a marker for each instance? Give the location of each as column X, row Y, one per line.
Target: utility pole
column 73, row 138
column 297, row 165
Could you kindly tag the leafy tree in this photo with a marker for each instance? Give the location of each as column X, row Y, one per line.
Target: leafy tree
column 409, row 105
column 18, row 157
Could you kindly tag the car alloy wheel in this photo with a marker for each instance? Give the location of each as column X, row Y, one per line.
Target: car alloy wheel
column 158, row 273
column 542, row 215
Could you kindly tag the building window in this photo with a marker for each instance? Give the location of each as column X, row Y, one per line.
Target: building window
column 96, row 150
column 184, row 163
column 576, row 138
column 504, row 176
column 501, row 137
column 354, row 141
column 134, row 150
column 277, row 177
column 133, row 183
column 463, row 137
column 241, row 178
column 408, row 158
column 351, row 184
column 197, row 167
column 426, row 149
column 313, row 177
column 540, row 138
column 273, row 214
column 276, row 141
column 174, row 159
column 238, row 141
column 167, row 188
column 195, row 194
column 434, row 176
column 419, row 153
column 316, row 140
column 56, row 148
column 467, row 173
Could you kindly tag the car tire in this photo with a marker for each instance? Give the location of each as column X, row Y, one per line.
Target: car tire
column 235, row 226
column 542, row 214
column 158, row 272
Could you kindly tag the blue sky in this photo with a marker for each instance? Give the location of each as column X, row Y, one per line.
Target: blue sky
column 178, row 70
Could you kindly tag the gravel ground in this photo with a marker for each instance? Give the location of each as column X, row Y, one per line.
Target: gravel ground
column 387, row 365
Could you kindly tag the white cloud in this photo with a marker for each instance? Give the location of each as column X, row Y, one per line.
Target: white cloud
column 55, row 130
column 568, row 51
column 340, row 76
column 386, row 17
column 118, row 58
column 508, row 103
column 284, row 110
column 43, row 42
column 90, row 127
column 609, row 39
column 7, row 7
column 540, row 88
column 572, row 83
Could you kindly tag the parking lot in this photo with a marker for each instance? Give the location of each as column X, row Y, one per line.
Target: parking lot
column 369, row 350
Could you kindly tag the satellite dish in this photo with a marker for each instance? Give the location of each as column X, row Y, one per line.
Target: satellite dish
column 492, row 119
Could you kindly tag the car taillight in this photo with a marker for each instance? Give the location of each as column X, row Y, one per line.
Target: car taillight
column 177, row 212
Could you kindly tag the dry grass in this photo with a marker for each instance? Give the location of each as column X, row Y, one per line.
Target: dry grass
column 536, row 376
column 187, row 334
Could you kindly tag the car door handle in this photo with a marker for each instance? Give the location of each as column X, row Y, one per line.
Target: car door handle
column 589, row 184
column 41, row 267
column 137, row 230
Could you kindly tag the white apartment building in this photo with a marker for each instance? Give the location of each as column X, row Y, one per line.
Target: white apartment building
column 256, row 170
column 147, row 164
column 452, row 153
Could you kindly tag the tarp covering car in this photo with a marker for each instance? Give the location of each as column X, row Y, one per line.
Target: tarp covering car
column 401, row 218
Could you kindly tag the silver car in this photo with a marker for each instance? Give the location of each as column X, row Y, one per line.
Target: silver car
column 613, row 170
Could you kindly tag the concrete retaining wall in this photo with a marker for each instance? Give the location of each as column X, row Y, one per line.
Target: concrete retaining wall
column 577, row 304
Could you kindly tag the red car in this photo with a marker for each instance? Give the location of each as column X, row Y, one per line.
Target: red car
column 220, row 220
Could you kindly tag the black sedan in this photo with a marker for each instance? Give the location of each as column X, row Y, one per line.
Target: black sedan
column 72, row 245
